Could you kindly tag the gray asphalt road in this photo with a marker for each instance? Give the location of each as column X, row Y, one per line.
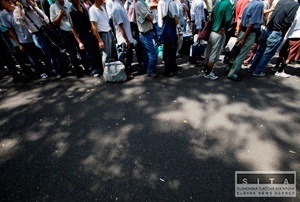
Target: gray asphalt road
column 165, row 139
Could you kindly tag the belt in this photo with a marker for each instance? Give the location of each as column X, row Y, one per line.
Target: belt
column 148, row 32
column 104, row 32
column 252, row 30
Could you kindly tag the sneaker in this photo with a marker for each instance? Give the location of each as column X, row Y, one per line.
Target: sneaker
column 259, row 75
column 58, row 76
column 282, row 74
column 96, row 75
column 211, row 76
column 44, row 75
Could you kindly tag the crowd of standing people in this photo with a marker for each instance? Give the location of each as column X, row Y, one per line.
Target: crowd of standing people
column 92, row 33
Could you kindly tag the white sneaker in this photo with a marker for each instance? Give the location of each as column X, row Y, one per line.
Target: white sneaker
column 44, row 76
column 211, row 76
column 282, row 74
column 58, row 76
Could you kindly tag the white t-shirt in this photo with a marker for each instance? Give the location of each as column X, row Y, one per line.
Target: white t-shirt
column 54, row 10
column 162, row 10
column 119, row 16
column 100, row 17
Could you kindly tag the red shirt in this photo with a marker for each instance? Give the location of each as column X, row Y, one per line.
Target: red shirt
column 239, row 8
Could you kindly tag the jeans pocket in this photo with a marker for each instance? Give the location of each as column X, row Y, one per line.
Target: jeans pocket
column 274, row 38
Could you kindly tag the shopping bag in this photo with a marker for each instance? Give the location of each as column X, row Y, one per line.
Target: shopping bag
column 114, row 71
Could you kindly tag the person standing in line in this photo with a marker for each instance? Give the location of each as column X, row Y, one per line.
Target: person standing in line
column 290, row 49
column 82, row 31
column 250, row 24
column 33, row 19
column 135, row 31
column 123, row 34
column 280, row 21
column 181, row 17
column 221, row 17
column 144, row 21
column 168, row 20
column 102, row 31
column 197, row 16
column 59, row 17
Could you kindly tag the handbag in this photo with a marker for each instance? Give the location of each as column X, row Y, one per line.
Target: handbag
column 114, row 71
column 204, row 34
column 196, row 50
column 168, row 30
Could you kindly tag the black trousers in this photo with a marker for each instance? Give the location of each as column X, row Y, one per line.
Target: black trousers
column 169, row 56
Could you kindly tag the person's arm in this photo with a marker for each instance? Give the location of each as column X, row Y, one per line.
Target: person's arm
column 81, row 45
column 18, row 14
column 12, row 34
column 56, row 18
column 97, row 35
column 122, row 30
column 174, row 13
column 241, row 42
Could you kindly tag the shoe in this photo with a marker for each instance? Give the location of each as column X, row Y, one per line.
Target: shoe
column 274, row 69
column 238, row 79
column 259, row 75
column 44, row 75
column 246, row 63
column 282, row 74
column 211, row 76
column 96, row 75
column 130, row 77
column 153, row 75
column 227, row 70
column 177, row 68
column 58, row 76
column 171, row 74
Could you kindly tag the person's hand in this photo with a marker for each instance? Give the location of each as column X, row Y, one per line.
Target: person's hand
column 21, row 48
column 62, row 13
column 127, row 44
column 222, row 31
column 101, row 45
column 241, row 42
column 18, row 4
column 81, row 46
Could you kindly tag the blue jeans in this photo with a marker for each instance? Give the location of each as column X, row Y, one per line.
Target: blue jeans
column 270, row 42
column 150, row 53
column 40, row 42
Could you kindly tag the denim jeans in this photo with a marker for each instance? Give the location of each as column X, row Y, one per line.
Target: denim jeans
column 271, row 41
column 150, row 53
column 41, row 43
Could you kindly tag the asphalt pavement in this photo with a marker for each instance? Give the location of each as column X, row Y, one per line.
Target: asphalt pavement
column 164, row 139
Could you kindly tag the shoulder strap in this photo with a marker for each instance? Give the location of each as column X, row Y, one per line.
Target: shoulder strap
column 31, row 21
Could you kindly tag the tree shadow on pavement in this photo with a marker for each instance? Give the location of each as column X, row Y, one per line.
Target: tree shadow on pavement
column 169, row 139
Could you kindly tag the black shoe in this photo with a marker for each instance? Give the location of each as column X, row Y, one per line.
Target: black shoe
column 176, row 69
column 153, row 75
column 238, row 79
column 171, row 74
column 129, row 77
